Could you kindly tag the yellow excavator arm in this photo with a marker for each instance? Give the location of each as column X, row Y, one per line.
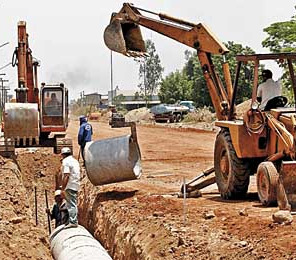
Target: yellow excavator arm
column 123, row 35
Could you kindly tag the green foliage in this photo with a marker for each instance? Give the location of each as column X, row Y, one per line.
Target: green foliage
column 246, row 73
column 150, row 71
column 175, row 87
column 282, row 38
column 189, row 84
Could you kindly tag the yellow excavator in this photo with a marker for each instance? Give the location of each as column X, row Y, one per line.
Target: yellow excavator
column 263, row 142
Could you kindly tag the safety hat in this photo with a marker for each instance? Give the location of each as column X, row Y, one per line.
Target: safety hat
column 57, row 193
column 65, row 150
column 83, row 118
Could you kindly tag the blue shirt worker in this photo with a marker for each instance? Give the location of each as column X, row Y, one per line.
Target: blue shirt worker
column 84, row 134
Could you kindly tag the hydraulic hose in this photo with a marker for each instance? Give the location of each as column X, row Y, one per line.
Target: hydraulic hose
column 14, row 60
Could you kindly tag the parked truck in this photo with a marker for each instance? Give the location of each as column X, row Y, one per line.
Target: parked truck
column 169, row 113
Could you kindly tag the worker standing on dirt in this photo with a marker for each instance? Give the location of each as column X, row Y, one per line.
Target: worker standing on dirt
column 70, row 184
column 268, row 89
column 84, row 134
column 59, row 211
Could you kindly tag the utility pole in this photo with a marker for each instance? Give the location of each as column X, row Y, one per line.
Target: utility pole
column 111, row 79
column 3, row 92
column 80, row 99
column 145, row 88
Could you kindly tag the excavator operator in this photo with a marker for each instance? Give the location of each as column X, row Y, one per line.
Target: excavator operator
column 53, row 106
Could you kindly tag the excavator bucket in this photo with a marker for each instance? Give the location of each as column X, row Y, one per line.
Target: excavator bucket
column 125, row 38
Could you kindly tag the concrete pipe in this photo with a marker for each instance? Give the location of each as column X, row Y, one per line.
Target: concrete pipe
column 112, row 160
column 76, row 244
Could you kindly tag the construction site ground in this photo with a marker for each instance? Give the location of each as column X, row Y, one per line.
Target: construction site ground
column 142, row 219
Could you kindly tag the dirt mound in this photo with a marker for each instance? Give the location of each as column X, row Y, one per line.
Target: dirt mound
column 138, row 115
column 243, row 107
column 200, row 115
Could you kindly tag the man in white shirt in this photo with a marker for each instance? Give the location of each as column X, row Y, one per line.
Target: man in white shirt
column 268, row 89
column 70, row 184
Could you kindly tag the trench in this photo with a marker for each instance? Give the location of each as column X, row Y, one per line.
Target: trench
column 129, row 222
column 112, row 217
column 34, row 171
column 111, row 213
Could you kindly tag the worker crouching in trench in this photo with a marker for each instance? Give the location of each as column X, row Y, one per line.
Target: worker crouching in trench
column 59, row 211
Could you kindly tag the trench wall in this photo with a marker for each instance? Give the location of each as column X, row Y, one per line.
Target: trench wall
column 118, row 225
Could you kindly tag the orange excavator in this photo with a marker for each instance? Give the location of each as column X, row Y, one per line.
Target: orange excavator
column 38, row 118
column 263, row 142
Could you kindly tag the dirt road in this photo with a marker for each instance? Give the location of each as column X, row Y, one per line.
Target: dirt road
column 143, row 219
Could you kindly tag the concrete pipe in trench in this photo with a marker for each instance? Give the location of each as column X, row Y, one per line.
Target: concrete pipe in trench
column 76, row 244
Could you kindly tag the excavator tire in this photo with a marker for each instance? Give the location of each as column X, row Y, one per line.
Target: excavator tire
column 267, row 181
column 232, row 173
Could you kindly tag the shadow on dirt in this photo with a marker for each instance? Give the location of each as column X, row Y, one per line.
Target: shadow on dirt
column 115, row 195
column 251, row 196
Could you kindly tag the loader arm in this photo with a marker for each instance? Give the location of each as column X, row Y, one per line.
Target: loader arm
column 284, row 135
column 123, row 35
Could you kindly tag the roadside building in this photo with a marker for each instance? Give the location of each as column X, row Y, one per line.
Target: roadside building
column 93, row 99
column 131, row 99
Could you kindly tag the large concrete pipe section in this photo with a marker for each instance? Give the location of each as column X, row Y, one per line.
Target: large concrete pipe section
column 76, row 244
column 113, row 160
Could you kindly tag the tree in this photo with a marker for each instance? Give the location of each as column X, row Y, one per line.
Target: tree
column 282, row 38
column 191, row 78
column 150, row 71
column 175, row 87
column 118, row 100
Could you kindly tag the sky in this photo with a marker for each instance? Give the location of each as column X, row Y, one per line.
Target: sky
column 67, row 36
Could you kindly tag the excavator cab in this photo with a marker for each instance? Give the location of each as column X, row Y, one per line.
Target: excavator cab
column 53, row 108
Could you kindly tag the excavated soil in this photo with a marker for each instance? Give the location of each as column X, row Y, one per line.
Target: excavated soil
column 143, row 219
column 20, row 237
